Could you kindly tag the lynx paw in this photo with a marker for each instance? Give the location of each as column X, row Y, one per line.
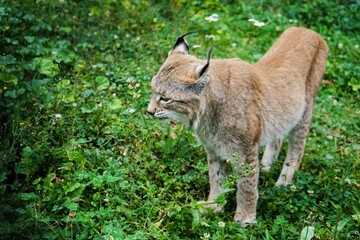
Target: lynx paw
column 212, row 206
column 283, row 181
column 280, row 183
column 266, row 169
column 244, row 221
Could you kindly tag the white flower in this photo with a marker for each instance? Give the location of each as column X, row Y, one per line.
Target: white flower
column 209, row 36
column 256, row 22
column 292, row 21
column 130, row 80
column 116, row 36
column 58, row 117
column 132, row 83
column 131, row 110
column 348, row 181
column 114, row 95
column 234, row 44
column 74, row 104
column 221, row 224
column 259, row 24
column 212, row 18
column 206, row 236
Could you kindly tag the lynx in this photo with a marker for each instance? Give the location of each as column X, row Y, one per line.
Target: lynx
column 234, row 107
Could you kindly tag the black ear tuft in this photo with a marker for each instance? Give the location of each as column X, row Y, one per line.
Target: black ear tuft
column 204, row 69
column 181, row 45
column 209, row 54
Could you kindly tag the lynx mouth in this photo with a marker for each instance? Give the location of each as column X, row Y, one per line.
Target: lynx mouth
column 163, row 118
column 171, row 117
column 161, row 115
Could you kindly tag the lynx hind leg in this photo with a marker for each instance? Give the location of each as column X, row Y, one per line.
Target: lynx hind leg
column 296, row 146
column 271, row 152
column 217, row 175
column 297, row 136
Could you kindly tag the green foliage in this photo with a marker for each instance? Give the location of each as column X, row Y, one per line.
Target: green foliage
column 80, row 159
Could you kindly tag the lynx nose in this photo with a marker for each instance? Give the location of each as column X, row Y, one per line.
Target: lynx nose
column 152, row 107
column 151, row 110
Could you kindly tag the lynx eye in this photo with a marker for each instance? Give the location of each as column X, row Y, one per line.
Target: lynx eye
column 164, row 99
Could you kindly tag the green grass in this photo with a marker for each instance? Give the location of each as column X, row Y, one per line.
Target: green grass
column 81, row 159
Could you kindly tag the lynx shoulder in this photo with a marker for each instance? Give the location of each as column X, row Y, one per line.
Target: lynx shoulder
column 233, row 107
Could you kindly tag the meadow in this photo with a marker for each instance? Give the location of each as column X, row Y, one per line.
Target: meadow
column 81, row 159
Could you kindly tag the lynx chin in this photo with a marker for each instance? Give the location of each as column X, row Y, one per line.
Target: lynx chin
column 233, row 107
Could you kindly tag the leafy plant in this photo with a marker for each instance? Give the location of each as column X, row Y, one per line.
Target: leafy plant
column 80, row 159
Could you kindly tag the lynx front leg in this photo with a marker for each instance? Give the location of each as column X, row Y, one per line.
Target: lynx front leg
column 295, row 152
column 217, row 174
column 272, row 151
column 247, row 192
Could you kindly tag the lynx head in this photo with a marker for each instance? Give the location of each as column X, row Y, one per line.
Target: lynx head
column 177, row 87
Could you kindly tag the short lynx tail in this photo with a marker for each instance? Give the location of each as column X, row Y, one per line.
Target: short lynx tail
column 317, row 69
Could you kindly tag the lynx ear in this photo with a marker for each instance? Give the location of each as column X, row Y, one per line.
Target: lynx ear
column 201, row 73
column 202, row 69
column 181, row 45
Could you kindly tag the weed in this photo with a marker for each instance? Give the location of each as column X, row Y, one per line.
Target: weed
column 80, row 159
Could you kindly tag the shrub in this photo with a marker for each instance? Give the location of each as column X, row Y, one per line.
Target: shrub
column 79, row 158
